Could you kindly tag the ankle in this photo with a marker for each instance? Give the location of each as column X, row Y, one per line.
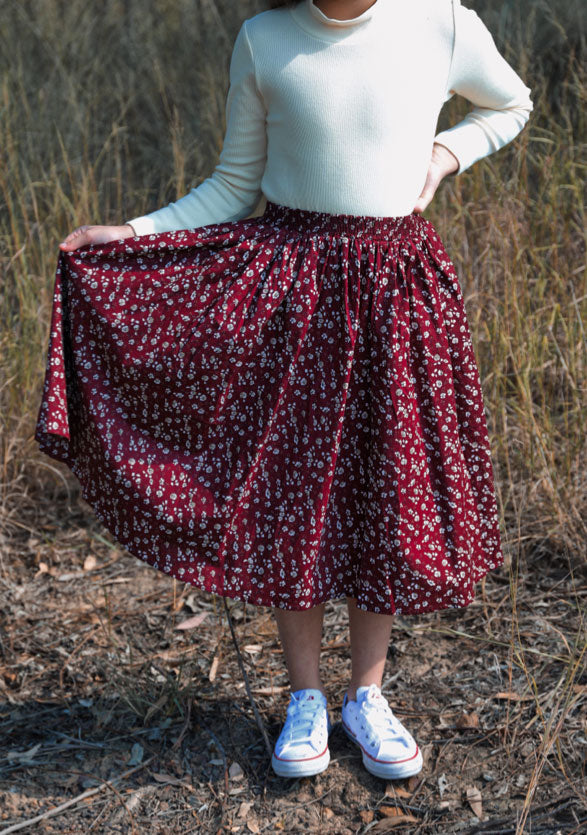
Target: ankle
column 352, row 689
column 304, row 685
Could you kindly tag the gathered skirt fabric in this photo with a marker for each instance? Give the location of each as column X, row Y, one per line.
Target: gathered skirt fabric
column 284, row 410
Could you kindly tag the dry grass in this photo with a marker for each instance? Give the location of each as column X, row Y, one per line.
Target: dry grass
column 105, row 115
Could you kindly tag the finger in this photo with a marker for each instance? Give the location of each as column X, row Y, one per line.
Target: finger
column 69, row 246
column 79, row 237
column 79, row 230
column 427, row 194
column 72, row 237
column 423, row 200
column 420, row 204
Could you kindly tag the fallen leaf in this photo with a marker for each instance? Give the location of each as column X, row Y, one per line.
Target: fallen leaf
column 191, row 623
column 467, row 720
column 390, row 811
column 253, row 648
column 391, row 790
column 253, row 826
column 366, row 815
column 413, row 782
column 23, row 756
column 474, row 799
column 44, row 568
column 136, row 754
column 90, row 562
column 328, row 813
column 88, row 782
column 73, row 575
column 235, row 772
column 513, row 697
column 244, row 809
column 442, row 784
column 167, row 778
column 172, row 658
column 213, row 668
column 387, row 824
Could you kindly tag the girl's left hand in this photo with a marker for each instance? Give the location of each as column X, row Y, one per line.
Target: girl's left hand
column 442, row 164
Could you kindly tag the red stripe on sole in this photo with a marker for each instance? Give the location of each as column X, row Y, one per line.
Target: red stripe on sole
column 371, row 757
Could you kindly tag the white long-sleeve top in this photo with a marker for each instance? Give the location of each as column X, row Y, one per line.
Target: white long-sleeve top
column 340, row 116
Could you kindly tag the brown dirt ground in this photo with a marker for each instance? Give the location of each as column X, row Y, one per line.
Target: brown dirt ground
column 100, row 690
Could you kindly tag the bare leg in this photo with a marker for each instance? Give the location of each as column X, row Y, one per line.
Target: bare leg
column 301, row 638
column 370, row 634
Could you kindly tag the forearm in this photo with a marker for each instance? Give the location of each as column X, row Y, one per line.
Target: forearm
column 482, row 132
column 502, row 103
column 216, row 200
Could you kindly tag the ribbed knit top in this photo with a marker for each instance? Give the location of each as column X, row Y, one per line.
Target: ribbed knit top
column 340, row 116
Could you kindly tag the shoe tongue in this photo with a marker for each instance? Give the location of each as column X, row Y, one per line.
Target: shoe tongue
column 308, row 694
column 370, row 691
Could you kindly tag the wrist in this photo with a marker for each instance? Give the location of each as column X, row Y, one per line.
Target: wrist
column 129, row 231
column 445, row 157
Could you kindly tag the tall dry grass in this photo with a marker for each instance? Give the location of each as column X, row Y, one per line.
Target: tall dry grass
column 111, row 110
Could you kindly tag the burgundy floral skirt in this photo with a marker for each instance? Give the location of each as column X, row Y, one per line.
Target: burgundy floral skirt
column 284, row 410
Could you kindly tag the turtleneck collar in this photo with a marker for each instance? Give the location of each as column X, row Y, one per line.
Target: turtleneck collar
column 332, row 21
column 314, row 21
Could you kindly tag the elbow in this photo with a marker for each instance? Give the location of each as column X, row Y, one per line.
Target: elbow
column 242, row 190
column 523, row 113
column 520, row 105
column 526, row 109
column 524, row 106
column 520, row 109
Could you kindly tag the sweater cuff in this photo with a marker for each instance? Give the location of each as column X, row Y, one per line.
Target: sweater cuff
column 143, row 225
column 460, row 139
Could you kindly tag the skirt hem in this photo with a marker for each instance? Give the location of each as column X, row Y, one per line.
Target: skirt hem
column 212, row 586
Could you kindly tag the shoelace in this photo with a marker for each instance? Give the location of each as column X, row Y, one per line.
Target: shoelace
column 302, row 713
column 379, row 713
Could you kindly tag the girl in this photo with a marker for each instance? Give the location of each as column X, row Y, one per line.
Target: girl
column 287, row 409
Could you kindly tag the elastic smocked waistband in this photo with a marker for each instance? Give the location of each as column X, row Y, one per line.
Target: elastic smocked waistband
column 307, row 221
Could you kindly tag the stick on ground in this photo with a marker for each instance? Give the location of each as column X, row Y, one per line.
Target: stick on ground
column 258, row 718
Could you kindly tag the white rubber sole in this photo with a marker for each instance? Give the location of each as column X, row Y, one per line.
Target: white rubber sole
column 301, row 768
column 389, row 771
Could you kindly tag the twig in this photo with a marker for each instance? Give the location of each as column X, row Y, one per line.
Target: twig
column 506, row 828
column 107, row 784
column 258, row 718
column 183, row 731
column 220, row 748
column 124, row 806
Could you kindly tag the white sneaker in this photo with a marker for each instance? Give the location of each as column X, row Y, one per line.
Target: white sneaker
column 389, row 750
column 302, row 747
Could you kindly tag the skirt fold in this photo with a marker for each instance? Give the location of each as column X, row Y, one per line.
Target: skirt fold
column 284, row 410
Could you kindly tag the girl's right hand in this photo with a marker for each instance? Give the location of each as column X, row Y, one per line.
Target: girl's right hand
column 84, row 235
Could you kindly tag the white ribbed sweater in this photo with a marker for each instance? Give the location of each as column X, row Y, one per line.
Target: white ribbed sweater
column 340, row 116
